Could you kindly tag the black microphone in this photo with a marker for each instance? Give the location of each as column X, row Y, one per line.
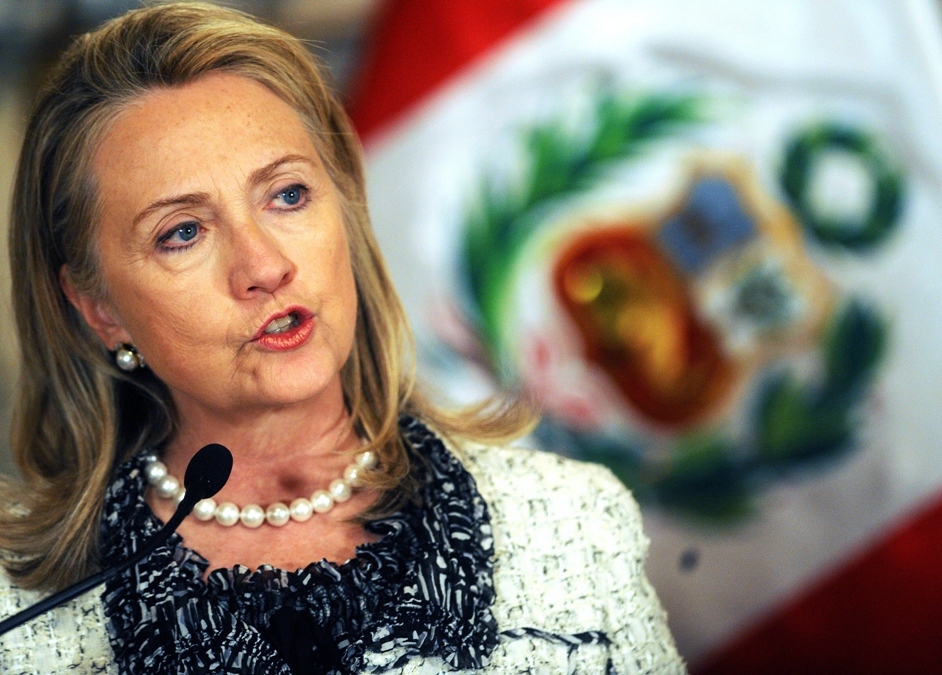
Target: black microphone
column 205, row 475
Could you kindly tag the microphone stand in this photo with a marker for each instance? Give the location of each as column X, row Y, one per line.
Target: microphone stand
column 203, row 479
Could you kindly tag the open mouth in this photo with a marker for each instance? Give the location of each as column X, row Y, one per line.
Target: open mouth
column 282, row 324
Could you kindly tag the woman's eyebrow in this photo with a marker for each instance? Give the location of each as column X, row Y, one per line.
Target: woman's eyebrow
column 267, row 171
column 201, row 198
column 190, row 199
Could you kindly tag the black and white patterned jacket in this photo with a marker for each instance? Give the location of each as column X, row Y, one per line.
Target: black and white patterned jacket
column 519, row 562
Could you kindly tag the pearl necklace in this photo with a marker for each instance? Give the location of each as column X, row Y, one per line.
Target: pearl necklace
column 253, row 515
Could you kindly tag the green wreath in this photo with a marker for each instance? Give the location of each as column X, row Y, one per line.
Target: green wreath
column 885, row 207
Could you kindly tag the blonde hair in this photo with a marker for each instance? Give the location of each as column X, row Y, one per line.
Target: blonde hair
column 77, row 415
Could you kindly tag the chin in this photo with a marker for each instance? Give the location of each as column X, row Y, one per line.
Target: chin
column 303, row 386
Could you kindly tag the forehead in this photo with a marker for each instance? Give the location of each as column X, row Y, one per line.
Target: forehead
column 219, row 121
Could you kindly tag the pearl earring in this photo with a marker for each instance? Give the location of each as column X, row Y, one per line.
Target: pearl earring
column 127, row 357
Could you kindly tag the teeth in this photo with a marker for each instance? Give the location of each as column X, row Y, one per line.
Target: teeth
column 282, row 324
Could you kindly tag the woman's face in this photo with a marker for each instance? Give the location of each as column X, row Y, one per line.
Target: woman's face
column 223, row 249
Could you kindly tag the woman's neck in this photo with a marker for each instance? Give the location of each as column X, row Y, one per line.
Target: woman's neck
column 278, row 456
column 278, row 453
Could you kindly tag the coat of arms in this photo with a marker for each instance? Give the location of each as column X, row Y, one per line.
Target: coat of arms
column 691, row 341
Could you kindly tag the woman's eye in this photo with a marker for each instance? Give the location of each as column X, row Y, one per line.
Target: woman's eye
column 292, row 196
column 180, row 236
column 187, row 232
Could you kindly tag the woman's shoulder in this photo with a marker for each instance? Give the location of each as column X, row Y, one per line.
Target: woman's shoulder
column 569, row 553
column 555, row 486
column 72, row 638
column 510, row 457
column 570, row 519
column 13, row 598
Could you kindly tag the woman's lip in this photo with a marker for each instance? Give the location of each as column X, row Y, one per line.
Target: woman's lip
column 289, row 339
column 302, row 313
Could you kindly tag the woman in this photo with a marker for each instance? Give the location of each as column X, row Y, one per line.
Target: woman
column 193, row 263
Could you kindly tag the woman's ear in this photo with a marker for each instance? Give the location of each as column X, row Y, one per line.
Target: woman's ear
column 97, row 314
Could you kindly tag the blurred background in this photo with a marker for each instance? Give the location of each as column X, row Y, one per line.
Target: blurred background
column 705, row 235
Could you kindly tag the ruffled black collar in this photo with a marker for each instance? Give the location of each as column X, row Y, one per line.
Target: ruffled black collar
column 425, row 588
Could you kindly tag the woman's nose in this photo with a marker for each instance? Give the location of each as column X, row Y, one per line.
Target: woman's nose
column 259, row 263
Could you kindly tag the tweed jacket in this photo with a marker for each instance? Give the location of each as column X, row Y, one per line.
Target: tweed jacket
column 569, row 557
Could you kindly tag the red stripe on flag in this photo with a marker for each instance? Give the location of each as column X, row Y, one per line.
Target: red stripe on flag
column 882, row 613
column 417, row 45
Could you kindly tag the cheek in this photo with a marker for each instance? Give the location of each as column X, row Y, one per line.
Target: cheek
column 330, row 263
column 163, row 316
column 345, row 292
column 349, row 292
column 350, row 306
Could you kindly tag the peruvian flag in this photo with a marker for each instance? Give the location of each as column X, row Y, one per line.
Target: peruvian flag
column 706, row 235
